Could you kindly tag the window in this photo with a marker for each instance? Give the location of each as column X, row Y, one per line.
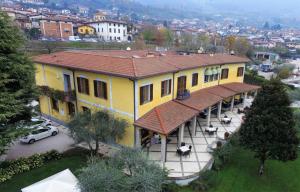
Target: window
column 216, row 76
column 67, row 83
column 166, row 87
column 83, row 85
column 110, row 30
column 195, row 79
column 224, row 74
column 115, row 30
column 71, row 108
column 119, row 31
column 100, row 89
column 240, row 71
column 102, row 29
column 146, row 94
column 211, row 77
column 54, row 104
column 181, row 84
column 206, row 78
column 86, row 109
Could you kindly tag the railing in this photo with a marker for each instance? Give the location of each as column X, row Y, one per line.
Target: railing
column 67, row 96
column 182, row 95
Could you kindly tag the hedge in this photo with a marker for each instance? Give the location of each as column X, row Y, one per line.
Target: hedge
column 10, row 168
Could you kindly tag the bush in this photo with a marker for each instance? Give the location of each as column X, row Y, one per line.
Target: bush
column 11, row 168
column 222, row 154
column 205, row 181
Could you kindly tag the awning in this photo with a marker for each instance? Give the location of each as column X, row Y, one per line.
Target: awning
column 166, row 117
column 240, row 87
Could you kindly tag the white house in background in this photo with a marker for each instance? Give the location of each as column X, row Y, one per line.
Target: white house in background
column 110, row 30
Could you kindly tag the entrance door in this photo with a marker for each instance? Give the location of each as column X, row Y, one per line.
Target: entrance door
column 181, row 84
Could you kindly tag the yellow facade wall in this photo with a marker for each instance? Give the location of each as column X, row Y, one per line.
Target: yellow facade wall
column 157, row 99
column 232, row 76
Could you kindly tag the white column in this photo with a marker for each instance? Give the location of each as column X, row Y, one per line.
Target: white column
column 138, row 138
column 244, row 100
column 194, row 125
column 208, row 116
column 220, row 110
column 232, row 104
column 163, row 148
column 181, row 134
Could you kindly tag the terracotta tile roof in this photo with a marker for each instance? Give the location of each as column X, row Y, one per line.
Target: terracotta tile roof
column 133, row 64
column 166, row 117
column 221, row 91
column 240, row 87
column 200, row 100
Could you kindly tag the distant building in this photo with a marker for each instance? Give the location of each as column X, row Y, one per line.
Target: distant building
column 109, row 30
column 86, row 30
column 267, row 57
column 56, row 28
column 99, row 16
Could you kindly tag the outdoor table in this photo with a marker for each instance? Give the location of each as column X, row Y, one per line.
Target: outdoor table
column 184, row 149
column 211, row 129
column 226, row 119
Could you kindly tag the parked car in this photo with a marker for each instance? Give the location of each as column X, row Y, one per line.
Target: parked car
column 40, row 133
column 36, row 122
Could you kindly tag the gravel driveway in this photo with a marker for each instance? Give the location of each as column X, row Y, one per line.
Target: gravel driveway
column 61, row 142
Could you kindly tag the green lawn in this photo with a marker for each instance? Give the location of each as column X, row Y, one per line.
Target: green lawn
column 73, row 162
column 241, row 175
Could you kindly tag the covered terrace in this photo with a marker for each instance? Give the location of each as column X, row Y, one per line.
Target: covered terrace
column 164, row 129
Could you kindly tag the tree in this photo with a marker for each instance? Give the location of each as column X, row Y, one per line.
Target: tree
column 230, row 43
column 17, row 82
column 100, row 126
column 128, row 170
column 269, row 129
column 149, row 34
column 139, row 43
column 33, row 33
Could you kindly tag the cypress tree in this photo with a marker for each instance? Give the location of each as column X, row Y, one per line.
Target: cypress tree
column 269, row 129
column 17, row 82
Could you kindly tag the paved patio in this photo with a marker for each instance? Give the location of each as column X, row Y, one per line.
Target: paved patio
column 186, row 167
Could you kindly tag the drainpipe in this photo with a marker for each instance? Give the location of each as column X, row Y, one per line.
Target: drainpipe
column 173, row 84
column 74, row 84
column 220, row 75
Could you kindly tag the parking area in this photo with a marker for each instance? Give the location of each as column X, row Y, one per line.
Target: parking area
column 61, row 142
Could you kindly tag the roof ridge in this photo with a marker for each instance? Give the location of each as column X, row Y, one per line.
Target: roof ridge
column 159, row 119
column 94, row 54
column 185, row 105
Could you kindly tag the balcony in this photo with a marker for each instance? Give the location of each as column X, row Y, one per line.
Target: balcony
column 182, row 95
column 67, row 96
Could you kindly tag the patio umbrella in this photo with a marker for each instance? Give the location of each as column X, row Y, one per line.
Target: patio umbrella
column 63, row 181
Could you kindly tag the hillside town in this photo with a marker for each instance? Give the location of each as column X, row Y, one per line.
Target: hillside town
column 113, row 95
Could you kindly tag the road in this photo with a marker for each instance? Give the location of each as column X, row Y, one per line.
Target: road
column 61, row 142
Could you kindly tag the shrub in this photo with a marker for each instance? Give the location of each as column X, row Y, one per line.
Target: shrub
column 205, row 181
column 52, row 155
column 222, row 154
column 10, row 168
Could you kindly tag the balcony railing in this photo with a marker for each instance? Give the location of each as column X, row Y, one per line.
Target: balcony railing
column 67, row 96
column 182, row 95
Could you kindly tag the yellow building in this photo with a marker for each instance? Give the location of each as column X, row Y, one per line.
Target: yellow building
column 86, row 30
column 156, row 93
